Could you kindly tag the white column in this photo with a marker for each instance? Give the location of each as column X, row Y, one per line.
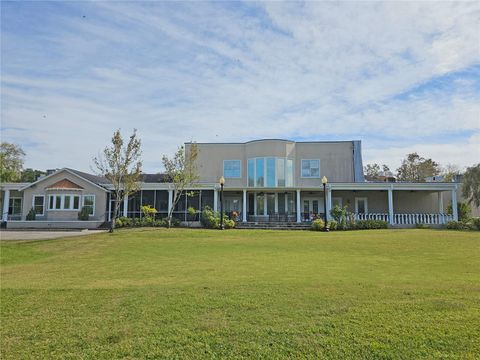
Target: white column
column 215, row 200
column 454, row 205
column 276, row 203
column 286, row 203
column 125, row 207
column 440, row 203
column 6, row 201
column 109, row 206
column 255, row 204
column 390, row 206
column 329, row 202
column 265, row 204
column 170, row 199
column 299, row 215
column 244, row 206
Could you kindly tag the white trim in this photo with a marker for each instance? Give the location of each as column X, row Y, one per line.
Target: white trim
column 366, row 204
column 301, row 169
column 232, row 177
column 44, row 205
column 62, row 202
column 94, row 203
column 58, row 172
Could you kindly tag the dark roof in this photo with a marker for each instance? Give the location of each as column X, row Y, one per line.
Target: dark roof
column 154, row 178
column 147, row 178
column 93, row 178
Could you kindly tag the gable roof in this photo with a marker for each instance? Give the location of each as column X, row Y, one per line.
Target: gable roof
column 65, row 184
column 92, row 179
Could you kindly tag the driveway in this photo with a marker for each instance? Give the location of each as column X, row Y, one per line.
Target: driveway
column 43, row 234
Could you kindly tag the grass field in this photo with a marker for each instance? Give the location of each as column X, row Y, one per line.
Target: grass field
column 190, row 294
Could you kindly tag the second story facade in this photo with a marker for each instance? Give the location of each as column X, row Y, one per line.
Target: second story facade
column 277, row 164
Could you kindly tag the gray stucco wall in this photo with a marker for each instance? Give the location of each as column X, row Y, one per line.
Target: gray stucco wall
column 65, row 215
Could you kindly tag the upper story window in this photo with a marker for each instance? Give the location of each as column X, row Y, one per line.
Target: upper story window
column 232, row 168
column 310, row 168
column 270, row 172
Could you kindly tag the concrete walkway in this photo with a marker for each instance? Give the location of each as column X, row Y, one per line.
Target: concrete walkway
column 43, row 234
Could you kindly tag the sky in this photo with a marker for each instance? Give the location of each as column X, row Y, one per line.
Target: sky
column 400, row 76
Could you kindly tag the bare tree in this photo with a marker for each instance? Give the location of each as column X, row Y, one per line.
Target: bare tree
column 181, row 170
column 121, row 165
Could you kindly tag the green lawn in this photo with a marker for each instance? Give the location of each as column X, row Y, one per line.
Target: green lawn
column 190, row 294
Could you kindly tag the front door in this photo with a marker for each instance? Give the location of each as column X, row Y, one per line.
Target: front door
column 311, row 208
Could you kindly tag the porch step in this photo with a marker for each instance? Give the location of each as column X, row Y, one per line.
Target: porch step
column 273, row 226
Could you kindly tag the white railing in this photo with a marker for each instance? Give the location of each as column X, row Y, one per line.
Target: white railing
column 408, row 219
column 371, row 216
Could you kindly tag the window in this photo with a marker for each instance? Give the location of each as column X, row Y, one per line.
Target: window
column 270, row 172
column 310, row 168
column 259, row 172
column 251, row 172
column 15, row 206
column 38, row 204
column 64, row 202
column 232, row 168
column 89, row 202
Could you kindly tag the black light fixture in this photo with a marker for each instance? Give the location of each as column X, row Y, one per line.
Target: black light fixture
column 324, row 182
column 222, row 182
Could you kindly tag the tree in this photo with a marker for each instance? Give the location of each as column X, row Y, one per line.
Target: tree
column 122, row 166
column 11, row 162
column 416, row 168
column 471, row 185
column 31, row 175
column 181, row 171
column 449, row 172
column 373, row 170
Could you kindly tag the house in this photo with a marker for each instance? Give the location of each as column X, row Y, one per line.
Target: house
column 269, row 180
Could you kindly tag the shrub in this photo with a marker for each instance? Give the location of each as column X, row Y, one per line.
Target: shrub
column 371, row 224
column 332, row 225
column 211, row 219
column 456, row 225
column 84, row 214
column 463, row 210
column 475, row 223
column 31, row 215
column 318, row 224
column 149, row 211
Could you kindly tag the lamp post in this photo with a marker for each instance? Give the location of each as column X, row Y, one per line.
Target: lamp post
column 324, row 182
column 222, row 182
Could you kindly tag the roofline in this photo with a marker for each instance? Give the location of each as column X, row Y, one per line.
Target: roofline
column 58, row 172
column 283, row 140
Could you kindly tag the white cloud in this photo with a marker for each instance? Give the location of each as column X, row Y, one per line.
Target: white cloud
column 182, row 71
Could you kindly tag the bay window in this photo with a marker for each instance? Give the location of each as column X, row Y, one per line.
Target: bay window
column 63, row 202
column 39, row 204
column 89, row 203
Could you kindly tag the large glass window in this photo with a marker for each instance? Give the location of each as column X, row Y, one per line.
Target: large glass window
column 251, row 172
column 232, row 168
column 289, row 174
column 280, row 172
column 259, row 172
column 38, row 204
column 271, row 172
column 311, row 168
